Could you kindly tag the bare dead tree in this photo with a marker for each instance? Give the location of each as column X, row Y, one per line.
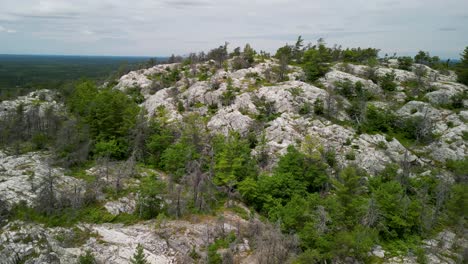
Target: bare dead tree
column 442, row 192
column 372, row 215
column 103, row 165
column 322, row 220
column 330, row 102
column 46, row 200
column 4, row 209
column 424, row 127
column 274, row 247
column 140, row 134
column 405, row 166
column 420, row 72
column 177, row 203
column 125, row 171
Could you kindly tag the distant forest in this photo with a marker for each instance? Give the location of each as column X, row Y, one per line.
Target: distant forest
column 20, row 74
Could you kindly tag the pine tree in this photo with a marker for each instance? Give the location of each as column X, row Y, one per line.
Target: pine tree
column 139, row 256
column 462, row 69
column 87, row 258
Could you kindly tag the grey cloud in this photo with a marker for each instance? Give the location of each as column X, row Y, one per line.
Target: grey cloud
column 163, row 27
column 310, row 36
column 187, row 3
column 45, row 16
column 6, row 30
column 447, row 29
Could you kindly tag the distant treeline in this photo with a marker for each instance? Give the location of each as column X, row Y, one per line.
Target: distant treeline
column 20, row 74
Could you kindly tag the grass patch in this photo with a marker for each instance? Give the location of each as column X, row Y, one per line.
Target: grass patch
column 69, row 217
column 240, row 212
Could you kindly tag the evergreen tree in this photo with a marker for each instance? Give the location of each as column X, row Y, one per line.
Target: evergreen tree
column 316, row 61
column 139, row 256
column 87, row 258
column 462, row 69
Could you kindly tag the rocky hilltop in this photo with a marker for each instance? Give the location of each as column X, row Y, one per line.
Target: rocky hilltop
column 354, row 115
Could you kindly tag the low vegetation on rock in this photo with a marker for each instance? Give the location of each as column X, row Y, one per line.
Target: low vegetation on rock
column 315, row 154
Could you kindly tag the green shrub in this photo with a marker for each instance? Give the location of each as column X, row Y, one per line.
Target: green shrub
column 319, row 109
column 87, row 258
column 330, row 157
column 387, row 82
column 381, row 145
column 350, row 155
column 305, row 109
column 378, row 120
column 213, row 256
column 316, row 62
column 405, row 63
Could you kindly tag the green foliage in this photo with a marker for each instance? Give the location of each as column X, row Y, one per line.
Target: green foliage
column 109, row 114
column 352, row 91
column 213, row 256
column 233, row 162
column 134, row 93
column 284, row 53
column 110, row 148
column 377, row 120
column 295, row 174
column 458, row 168
column 358, row 55
column 316, row 62
column 387, row 82
column 456, row 101
column 319, row 109
column 228, row 96
column 462, row 68
column 405, row 63
column 161, row 137
column 151, row 197
column 400, row 211
column 305, row 109
column 175, row 157
column 267, row 110
column 457, row 208
column 330, row 157
column 356, row 243
column 68, row 217
column 139, row 256
column 87, row 258
column 423, row 57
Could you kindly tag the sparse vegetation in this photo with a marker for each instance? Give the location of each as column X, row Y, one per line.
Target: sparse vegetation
column 310, row 204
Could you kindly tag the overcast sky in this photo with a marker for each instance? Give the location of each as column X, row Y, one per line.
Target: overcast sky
column 163, row 27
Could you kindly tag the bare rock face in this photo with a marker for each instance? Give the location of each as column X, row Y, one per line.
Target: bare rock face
column 201, row 92
column 163, row 100
column 34, row 244
column 334, row 76
column 142, row 79
column 400, row 75
column 167, row 241
column 40, row 100
column 122, row 205
column 288, row 97
column 121, row 242
column 21, row 176
column 289, row 126
column 446, row 247
column 451, row 128
column 444, row 92
column 230, row 120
